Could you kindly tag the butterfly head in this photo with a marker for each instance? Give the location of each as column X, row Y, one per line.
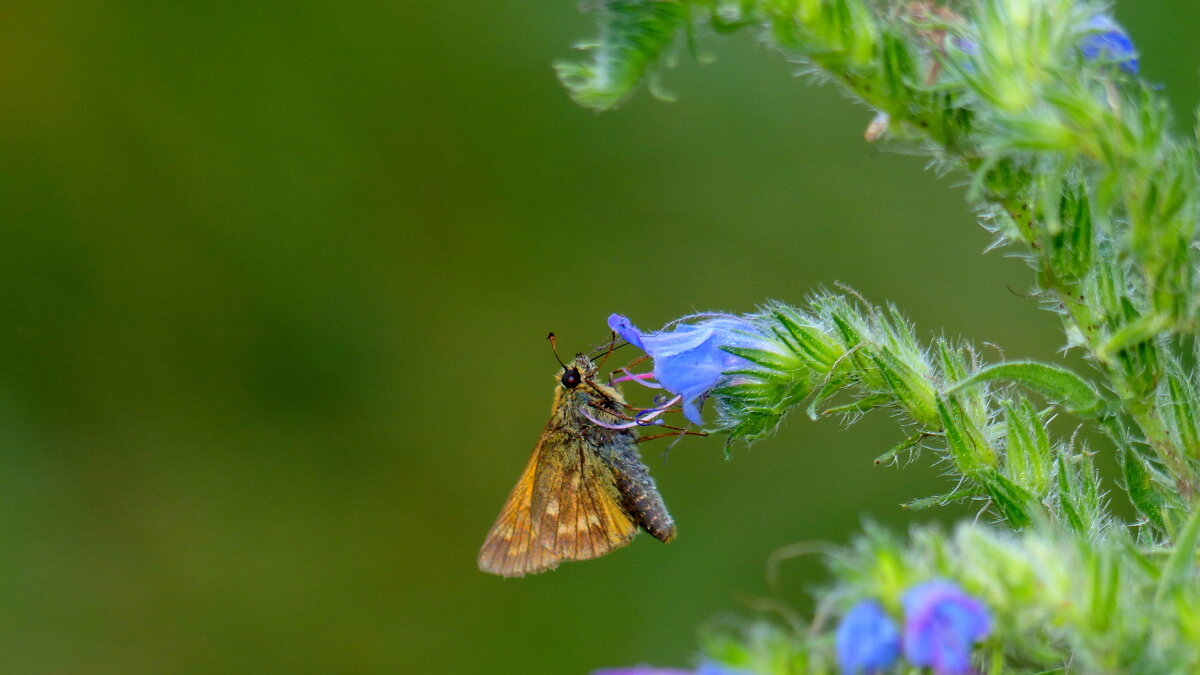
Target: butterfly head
column 570, row 377
column 577, row 372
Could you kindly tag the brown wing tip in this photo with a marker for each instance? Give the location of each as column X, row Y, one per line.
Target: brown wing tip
column 511, row 568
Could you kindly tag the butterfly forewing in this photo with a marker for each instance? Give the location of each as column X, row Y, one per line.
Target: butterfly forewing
column 576, row 504
column 565, row 507
column 505, row 551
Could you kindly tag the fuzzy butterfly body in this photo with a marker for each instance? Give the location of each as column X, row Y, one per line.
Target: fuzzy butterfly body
column 584, row 492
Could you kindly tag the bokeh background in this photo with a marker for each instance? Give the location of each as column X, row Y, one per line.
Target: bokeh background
column 276, row 283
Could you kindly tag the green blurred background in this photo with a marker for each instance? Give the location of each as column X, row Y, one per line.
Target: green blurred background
column 276, row 282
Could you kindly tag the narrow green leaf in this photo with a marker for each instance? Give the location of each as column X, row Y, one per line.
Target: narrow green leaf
column 907, row 444
column 1010, row 500
column 1138, row 331
column 813, row 342
column 912, row 390
column 862, row 405
column 1103, row 584
column 1058, row 384
column 764, row 358
column 849, row 335
column 956, row 442
column 1066, row 490
column 1182, row 405
column 940, row 500
column 1028, row 459
column 953, row 367
column 1181, row 565
column 1142, row 491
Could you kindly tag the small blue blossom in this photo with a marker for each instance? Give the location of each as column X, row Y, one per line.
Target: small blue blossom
column 690, row 358
column 868, row 640
column 941, row 626
column 1105, row 41
column 1108, row 42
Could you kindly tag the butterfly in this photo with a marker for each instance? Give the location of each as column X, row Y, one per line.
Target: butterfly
column 584, row 492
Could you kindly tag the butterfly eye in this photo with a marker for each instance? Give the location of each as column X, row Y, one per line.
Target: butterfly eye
column 570, row 378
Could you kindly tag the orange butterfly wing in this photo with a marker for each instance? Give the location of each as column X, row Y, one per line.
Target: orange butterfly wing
column 505, row 551
column 565, row 506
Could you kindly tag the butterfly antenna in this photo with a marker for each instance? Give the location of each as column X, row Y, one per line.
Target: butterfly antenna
column 608, row 347
column 554, row 348
column 612, row 346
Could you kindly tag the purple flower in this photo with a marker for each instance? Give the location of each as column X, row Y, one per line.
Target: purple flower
column 941, row 626
column 868, row 640
column 690, row 358
column 1108, row 42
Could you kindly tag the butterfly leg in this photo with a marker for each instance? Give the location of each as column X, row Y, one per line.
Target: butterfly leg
column 679, row 431
column 631, row 376
column 646, row 417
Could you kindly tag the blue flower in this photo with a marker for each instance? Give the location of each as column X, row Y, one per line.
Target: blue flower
column 868, row 640
column 690, row 358
column 941, row 626
column 1108, row 42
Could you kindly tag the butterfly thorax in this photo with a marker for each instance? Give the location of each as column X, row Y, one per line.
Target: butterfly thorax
column 616, row 448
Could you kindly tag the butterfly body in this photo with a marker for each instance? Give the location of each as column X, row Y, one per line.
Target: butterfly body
column 584, row 491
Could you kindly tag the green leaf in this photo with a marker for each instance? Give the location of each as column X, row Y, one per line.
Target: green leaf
column 848, row 333
column 908, row 443
column 766, row 359
column 1104, row 585
column 1181, row 566
column 1142, row 491
column 833, row 384
column 1066, row 490
column 1132, row 334
column 862, row 405
column 1028, row 459
column 812, row 342
column 956, row 441
column 939, row 500
column 1057, row 384
column 912, row 390
column 1007, row 496
column 966, row 438
column 634, row 34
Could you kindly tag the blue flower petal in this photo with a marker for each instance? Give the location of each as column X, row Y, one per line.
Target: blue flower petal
column 625, row 328
column 867, row 640
column 941, row 626
column 1109, row 42
column 690, row 358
